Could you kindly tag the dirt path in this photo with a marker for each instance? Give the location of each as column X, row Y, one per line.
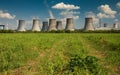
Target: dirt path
column 100, row 54
column 91, row 50
column 30, row 68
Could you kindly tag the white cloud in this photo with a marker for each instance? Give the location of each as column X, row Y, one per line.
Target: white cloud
column 70, row 14
column 6, row 15
column 65, row 6
column 102, row 15
column 93, row 15
column 76, row 17
column 116, row 20
column 67, row 11
column 118, row 4
column 106, row 12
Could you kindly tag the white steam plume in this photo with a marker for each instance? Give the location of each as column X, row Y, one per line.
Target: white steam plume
column 49, row 11
column 51, row 14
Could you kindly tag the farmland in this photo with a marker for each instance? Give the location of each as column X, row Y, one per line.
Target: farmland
column 60, row 54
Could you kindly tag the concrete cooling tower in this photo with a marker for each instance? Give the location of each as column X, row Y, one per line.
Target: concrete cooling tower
column 52, row 24
column 69, row 24
column 116, row 25
column 106, row 25
column 21, row 25
column 36, row 25
column 45, row 26
column 88, row 24
column 59, row 25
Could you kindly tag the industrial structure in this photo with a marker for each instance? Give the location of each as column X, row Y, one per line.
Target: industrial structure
column 69, row 24
column 116, row 25
column 52, row 24
column 3, row 27
column 88, row 24
column 103, row 28
column 59, row 25
column 21, row 25
column 36, row 25
column 45, row 26
column 106, row 25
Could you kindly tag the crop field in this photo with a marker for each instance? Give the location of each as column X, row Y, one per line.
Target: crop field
column 59, row 54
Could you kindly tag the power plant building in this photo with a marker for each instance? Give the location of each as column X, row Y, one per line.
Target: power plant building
column 3, row 27
column 88, row 24
column 45, row 26
column 106, row 25
column 69, row 24
column 59, row 25
column 36, row 25
column 21, row 25
column 116, row 25
column 52, row 24
column 103, row 28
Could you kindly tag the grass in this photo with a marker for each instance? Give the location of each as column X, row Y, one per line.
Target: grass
column 59, row 54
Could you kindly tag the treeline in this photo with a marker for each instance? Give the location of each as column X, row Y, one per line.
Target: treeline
column 61, row 31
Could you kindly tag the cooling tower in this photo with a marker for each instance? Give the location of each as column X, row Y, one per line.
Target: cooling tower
column 36, row 25
column 106, row 25
column 45, row 26
column 59, row 25
column 116, row 25
column 21, row 25
column 88, row 24
column 69, row 24
column 52, row 24
column 3, row 27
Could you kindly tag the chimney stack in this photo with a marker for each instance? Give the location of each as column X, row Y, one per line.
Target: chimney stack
column 69, row 24
column 88, row 24
column 59, row 25
column 21, row 25
column 52, row 24
column 36, row 25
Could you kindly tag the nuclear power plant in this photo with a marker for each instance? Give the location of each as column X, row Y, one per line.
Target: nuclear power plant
column 36, row 25
column 45, row 26
column 21, row 25
column 52, row 24
column 88, row 24
column 69, row 24
column 59, row 25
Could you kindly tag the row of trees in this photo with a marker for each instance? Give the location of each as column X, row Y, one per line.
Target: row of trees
column 62, row 31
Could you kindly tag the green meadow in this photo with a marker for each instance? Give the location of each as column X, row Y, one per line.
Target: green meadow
column 59, row 54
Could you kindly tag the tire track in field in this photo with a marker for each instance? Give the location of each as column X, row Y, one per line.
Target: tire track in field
column 99, row 54
column 31, row 66
column 91, row 50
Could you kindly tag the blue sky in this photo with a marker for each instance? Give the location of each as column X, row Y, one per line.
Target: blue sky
column 13, row 10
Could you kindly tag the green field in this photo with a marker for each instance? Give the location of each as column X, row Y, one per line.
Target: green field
column 59, row 54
